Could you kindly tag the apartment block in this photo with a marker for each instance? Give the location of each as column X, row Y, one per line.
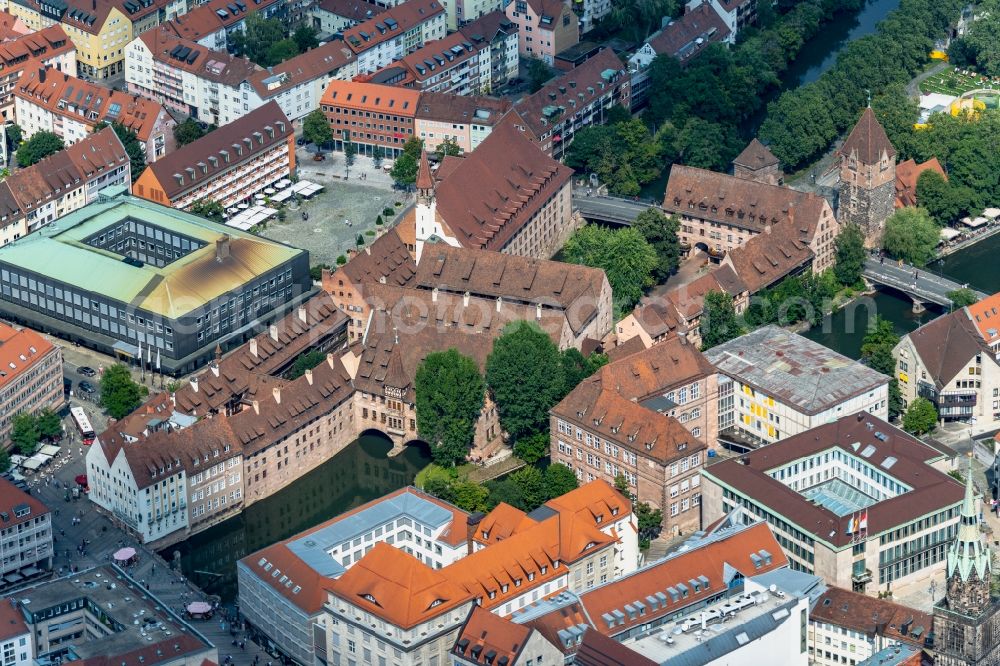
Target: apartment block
column 49, row 45
column 16, row 644
column 465, row 120
column 450, row 65
column 25, row 536
column 218, row 88
column 501, row 33
column 99, row 30
column 228, row 165
column 212, row 23
column 545, row 27
column 52, row 101
column 953, row 362
column 57, row 185
column 330, row 17
column 576, row 99
column 32, row 376
column 395, row 33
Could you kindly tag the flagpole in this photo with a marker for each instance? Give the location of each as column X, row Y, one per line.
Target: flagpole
column 142, row 366
column 149, row 360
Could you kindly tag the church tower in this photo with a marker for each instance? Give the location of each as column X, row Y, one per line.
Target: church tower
column 967, row 620
column 867, row 178
column 425, row 222
column 758, row 163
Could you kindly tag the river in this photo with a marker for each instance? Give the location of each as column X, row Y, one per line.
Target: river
column 817, row 56
column 358, row 474
column 844, row 329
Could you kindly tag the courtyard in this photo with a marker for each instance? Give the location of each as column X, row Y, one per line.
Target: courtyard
column 327, row 234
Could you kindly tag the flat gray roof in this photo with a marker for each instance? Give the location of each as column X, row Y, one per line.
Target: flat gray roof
column 799, row 372
column 314, row 547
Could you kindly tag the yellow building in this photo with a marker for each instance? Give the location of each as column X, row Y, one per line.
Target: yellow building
column 100, row 29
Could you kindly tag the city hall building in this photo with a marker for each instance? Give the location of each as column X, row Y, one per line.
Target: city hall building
column 856, row 501
column 123, row 274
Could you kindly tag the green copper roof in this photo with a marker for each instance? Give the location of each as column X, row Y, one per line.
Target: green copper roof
column 58, row 251
column 967, row 553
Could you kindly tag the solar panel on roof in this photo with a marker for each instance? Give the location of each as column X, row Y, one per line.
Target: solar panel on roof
column 194, row 56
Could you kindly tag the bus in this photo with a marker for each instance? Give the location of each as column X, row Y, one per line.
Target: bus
column 83, row 425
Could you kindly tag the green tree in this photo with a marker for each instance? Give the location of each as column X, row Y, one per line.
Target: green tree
column 119, row 394
column 448, row 147
column 983, row 38
column 706, row 144
column 532, row 448
column 14, row 136
column 718, row 320
column 209, row 209
column 525, row 375
column 404, row 169
column 449, row 390
column 944, row 202
column 538, row 73
column 660, row 232
column 577, row 367
column 876, row 352
column 650, row 523
column 187, row 132
column 962, row 297
column 257, row 37
column 559, row 480
column 850, row 264
column 38, row 147
column 280, row 51
column 469, row 496
column 49, row 424
column 133, row 146
column 624, row 256
column 24, row 433
column 305, row 361
column 413, row 147
column 316, row 128
column 341, row 260
column 378, row 154
column 4, row 460
column 305, row 37
column 920, row 417
column 911, row 235
column 359, row 241
column 350, row 150
column 316, row 271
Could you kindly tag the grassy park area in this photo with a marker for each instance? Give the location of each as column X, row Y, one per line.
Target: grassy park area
column 955, row 82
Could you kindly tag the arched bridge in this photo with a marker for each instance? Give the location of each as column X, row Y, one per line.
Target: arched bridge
column 920, row 284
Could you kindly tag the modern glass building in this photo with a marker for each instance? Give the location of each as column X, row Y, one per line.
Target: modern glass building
column 123, row 274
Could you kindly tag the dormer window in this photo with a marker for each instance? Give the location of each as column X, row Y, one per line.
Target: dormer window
column 486, row 534
column 493, row 594
column 503, row 588
column 370, row 598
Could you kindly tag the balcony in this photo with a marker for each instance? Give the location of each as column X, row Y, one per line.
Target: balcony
column 859, row 574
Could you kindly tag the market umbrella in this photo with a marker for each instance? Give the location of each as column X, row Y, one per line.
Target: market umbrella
column 124, row 554
column 198, row 607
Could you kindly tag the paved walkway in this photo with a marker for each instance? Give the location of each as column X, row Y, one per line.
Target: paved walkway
column 85, row 538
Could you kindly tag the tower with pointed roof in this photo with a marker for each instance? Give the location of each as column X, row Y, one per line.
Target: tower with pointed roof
column 867, row 178
column 967, row 620
column 758, row 163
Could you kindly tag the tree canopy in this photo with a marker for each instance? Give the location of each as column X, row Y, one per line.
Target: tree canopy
column 911, row 235
column 850, row 244
column 404, row 169
column 209, row 209
column 448, row 147
column 119, row 394
column 718, row 320
column 876, row 352
column 305, row 361
column 187, row 132
column 920, row 417
column 263, row 40
column 450, row 394
column 38, row 147
column 133, row 146
column 945, row 202
column 962, row 297
column 624, row 154
column 305, row 37
column 24, row 433
column 538, row 73
column 316, row 128
column 525, row 375
column 623, row 254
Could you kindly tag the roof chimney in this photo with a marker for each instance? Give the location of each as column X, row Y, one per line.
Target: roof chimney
column 434, row 295
column 330, row 360
column 222, row 247
column 194, row 384
column 253, row 346
column 471, row 523
column 272, row 330
column 465, row 299
column 302, row 314
column 309, row 377
column 276, row 392
column 256, row 407
column 538, row 311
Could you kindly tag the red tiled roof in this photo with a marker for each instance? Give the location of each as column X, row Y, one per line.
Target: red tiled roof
column 218, row 66
column 19, row 350
column 756, row 156
column 932, row 490
column 985, row 315
column 907, row 174
column 11, row 621
column 13, row 499
column 667, row 364
column 600, row 650
column 499, row 187
column 680, row 37
column 406, row 16
column 871, row 616
column 711, row 560
column 44, row 44
column 868, row 140
column 768, row 257
column 947, row 344
column 491, row 634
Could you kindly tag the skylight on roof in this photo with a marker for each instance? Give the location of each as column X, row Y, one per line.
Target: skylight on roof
column 889, row 462
column 868, row 451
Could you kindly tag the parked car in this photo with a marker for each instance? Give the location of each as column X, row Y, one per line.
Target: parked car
column 86, row 387
column 87, row 371
column 301, row 141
